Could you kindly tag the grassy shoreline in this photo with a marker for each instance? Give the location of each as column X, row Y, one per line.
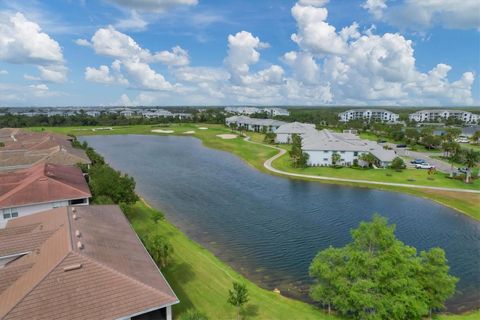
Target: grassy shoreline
column 201, row 281
column 255, row 155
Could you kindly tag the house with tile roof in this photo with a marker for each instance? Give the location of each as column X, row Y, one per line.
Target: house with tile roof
column 79, row 263
column 41, row 187
column 23, row 149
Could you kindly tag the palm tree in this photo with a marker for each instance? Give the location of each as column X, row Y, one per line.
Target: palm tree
column 336, row 157
column 471, row 160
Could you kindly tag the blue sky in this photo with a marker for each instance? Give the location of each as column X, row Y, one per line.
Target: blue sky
column 206, row 52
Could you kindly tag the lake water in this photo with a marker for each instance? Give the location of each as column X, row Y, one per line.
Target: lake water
column 269, row 228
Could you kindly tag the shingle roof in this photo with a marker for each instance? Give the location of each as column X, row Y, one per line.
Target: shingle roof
column 42, row 183
column 109, row 277
column 254, row 121
column 326, row 140
column 295, row 127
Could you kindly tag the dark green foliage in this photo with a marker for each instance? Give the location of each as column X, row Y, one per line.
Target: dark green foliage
column 397, row 164
column 299, row 158
column 107, row 182
column 368, row 158
column 159, row 248
column 238, row 296
column 336, row 157
column 157, row 216
column 193, row 315
column 377, row 276
column 213, row 115
column 270, row 137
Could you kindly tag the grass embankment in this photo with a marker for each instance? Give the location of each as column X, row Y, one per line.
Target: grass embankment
column 201, row 281
column 256, row 155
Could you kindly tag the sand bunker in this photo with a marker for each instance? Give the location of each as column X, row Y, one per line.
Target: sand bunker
column 227, row 136
column 162, row 131
column 203, row 128
column 189, row 132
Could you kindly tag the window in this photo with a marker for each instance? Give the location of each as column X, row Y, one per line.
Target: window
column 10, row 213
column 355, row 153
column 342, row 151
column 325, row 159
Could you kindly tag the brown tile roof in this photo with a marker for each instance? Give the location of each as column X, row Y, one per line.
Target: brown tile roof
column 42, row 183
column 23, row 148
column 111, row 276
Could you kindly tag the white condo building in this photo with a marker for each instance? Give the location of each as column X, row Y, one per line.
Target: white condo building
column 284, row 132
column 440, row 114
column 368, row 114
column 321, row 145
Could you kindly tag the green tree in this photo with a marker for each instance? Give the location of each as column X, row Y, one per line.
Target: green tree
column 159, row 248
column 451, row 134
column 336, row 157
column 435, row 279
column 397, row 164
column 476, row 137
column 431, row 141
column 270, row 137
column 368, row 158
column 238, row 296
column 471, row 160
column 299, row 158
column 105, row 181
column 377, row 276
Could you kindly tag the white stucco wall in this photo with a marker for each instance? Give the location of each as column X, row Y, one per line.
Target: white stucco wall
column 34, row 208
column 324, row 158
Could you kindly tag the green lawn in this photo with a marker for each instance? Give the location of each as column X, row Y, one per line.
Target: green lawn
column 201, row 281
column 407, row 176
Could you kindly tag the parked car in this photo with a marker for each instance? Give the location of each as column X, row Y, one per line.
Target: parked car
column 401, row 145
column 381, row 141
column 417, row 161
column 463, row 170
column 424, row 166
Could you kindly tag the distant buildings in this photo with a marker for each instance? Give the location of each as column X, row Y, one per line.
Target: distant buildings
column 156, row 113
column 272, row 112
column 247, row 111
column 380, row 115
column 252, row 124
column 284, row 132
column 39, row 188
column 321, row 145
column 243, row 110
column 438, row 115
column 23, row 149
column 81, row 262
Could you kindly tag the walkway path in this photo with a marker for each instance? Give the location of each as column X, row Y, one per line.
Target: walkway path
column 268, row 165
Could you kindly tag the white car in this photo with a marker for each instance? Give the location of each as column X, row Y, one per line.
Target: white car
column 424, row 166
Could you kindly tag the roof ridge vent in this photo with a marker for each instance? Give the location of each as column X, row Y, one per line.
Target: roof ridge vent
column 78, row 234
column 79, row 245
column 74, row 216
column 72, row 267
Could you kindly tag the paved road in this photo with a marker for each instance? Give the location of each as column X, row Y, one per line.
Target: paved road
column 439, row 164
column 268, row 165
